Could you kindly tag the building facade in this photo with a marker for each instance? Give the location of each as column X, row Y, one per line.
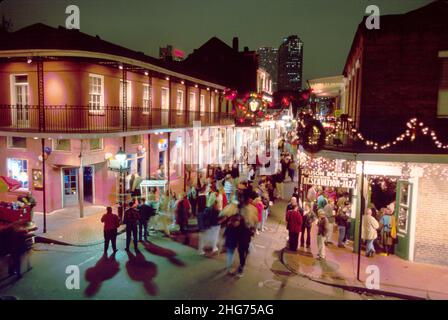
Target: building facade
column 394, row 116
column 290, row 64
column 267, row 59
column 66, row 112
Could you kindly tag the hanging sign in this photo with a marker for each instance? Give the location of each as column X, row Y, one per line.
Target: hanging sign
column 330, row 179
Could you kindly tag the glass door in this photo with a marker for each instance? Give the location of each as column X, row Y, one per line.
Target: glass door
column 70, row 191
column 402, row 218
column 20, row 99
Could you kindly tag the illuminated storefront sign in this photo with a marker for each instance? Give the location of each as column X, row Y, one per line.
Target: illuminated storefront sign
column 330, row 179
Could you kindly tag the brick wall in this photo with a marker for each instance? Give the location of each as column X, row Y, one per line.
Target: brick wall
column 431, row 238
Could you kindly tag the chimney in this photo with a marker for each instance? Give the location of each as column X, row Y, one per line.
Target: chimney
column 235, row 44
column 246, row 49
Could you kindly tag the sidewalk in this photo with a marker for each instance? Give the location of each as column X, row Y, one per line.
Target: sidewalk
column 397, row 276
column 66, row 227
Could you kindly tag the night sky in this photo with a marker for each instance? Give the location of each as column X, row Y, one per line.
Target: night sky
column 326, row 27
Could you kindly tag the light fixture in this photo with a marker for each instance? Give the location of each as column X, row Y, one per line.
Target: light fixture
column 29, row 60
column 121, row 155
column 146, row 73
column 35, row 138
column 208, row 89
column 167, row 78
column 195, row 85
column 182, row 82
column 120, row 67
column 216, row 91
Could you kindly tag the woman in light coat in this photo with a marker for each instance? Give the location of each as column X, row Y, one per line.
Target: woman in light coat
column 369, row 232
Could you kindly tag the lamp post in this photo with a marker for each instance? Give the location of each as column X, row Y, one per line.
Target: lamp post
column 121, row 158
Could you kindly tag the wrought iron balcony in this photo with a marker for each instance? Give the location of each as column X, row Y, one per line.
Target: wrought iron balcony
column 107, row 119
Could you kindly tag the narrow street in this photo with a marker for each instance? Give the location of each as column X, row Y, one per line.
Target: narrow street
column 166, row 269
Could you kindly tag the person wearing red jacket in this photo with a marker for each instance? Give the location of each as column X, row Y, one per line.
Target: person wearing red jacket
column 294, row 224
column 111, row 224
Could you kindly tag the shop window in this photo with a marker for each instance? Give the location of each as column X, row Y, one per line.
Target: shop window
column 96, row 93
column 442, row 106
column 18, row 170
column 62, row 144
column 17, row 142
column 96, row 144
column 136, row 139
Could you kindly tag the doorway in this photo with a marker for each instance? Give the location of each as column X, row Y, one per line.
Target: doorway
column 88, row 184
column 70, row 185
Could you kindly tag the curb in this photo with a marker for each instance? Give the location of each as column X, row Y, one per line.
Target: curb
column 354, row 289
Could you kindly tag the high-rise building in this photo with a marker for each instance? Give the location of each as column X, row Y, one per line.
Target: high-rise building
column 290, row 64
column 267, row 59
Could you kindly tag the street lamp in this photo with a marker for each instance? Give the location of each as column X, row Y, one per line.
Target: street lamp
column 121, row 156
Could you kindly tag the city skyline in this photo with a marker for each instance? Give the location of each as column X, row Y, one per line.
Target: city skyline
column 324, row 26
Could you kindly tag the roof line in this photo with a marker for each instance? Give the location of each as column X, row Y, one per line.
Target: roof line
column 106, row 56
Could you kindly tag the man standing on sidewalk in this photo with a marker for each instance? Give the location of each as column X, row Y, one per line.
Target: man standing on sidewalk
column 145, row 214
column 131, row 219
column 111, row 224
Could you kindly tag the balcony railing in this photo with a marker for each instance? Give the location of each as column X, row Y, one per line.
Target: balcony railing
column 107, row 119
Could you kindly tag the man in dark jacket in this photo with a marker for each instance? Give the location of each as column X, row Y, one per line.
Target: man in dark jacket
column 294, row 225
column 146, row 212
column 131, row 219
column 111, row 224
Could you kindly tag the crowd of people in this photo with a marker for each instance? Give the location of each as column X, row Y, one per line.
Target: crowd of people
column 323, row 207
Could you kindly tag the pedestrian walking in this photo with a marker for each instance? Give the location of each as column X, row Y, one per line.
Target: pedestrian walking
column 294, row 225
column 192, row 197
column 279, row 180
column 369, row 232
column 308, row 219
column 131, row 219
column 342, row 222
column 330, row 213
column 228, row 187
column 111, row 224
column 232, row 236
column 388, row 231
column 322, row 233
column 183, row 210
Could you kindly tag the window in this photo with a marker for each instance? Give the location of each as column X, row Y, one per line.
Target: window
column 19, row 98
column 62, row 144
column 96, row 144
column 18, row 170
column 96, row 93
column 165, row 99
column 70, row 181
column 136, row 139
column 192, row 101
column 202, row 104
column 146, row 98
column 17, row 142
column 442, row 106
column 180, row 101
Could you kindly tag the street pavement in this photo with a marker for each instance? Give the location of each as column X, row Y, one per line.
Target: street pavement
column 167, row 269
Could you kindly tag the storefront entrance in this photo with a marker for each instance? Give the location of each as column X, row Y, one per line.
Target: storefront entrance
column 402, row 215
column 70, row 187
column 70, row 180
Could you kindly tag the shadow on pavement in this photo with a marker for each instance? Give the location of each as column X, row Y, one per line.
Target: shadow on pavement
column 141, row 270
column 105, row 269
column 163, row 252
